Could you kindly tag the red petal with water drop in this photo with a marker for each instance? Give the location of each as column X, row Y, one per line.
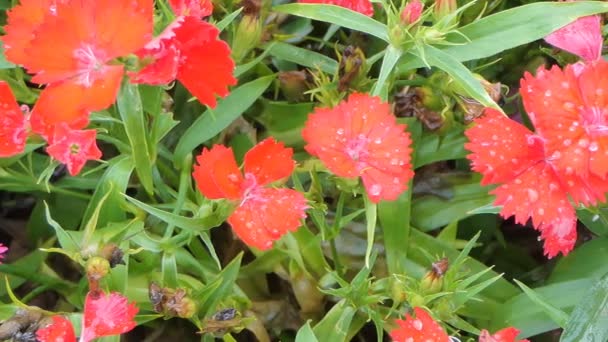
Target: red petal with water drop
column 266, row 215
column 583, row 37
column 422, row 328
column 217, row 175
column 73, row 147
column 269, row 161
column 504, row 335
column 60, row 330
column 106, row 315
column 360, row 137
column 13, row 124
column 362, row 6
column 205, row 66
column 161, row 60
column 194, row 8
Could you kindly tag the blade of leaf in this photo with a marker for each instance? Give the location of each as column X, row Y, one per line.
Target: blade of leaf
column 338, row 16
column 305, row 334
column 304, row 57
column 557, row 315
column 588, row 321
column 388, row 64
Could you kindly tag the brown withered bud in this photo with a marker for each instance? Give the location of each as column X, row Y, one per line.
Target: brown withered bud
column 251, row 7
column 222, row 322
column 225, row 314
column 432, row 282
column 294, row 84
column 113, row 254
column 22, row 325
column 440, row 267
column 350, row 66
column 471, row 108
column 157, row 296
column 408, row 103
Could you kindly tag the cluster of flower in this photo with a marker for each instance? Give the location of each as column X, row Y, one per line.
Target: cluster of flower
column 81, row 50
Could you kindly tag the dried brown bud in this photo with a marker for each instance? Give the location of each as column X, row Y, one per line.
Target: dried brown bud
column 113, row 254
column 351, row 63
column 409, row 102
column 293, row 84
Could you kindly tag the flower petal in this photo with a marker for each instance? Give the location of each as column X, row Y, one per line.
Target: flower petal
column 268, row 214
column 194, row 8
column 583, row 37
column 13, row 133
column 205, row 68
column 60, row 330
column 73, row 147
column 217, row 175
column 106, row 315
column 362, row 6
column 269, row 161
column 422, row 328
column 504, row 335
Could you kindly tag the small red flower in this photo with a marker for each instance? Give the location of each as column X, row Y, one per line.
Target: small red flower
column 507, row 153
column 360, row 138
column 73, row 147
column 13, row 124
column 3, row 250
column 412, row 11
column 504, row 335
column 362, row 6
column 190, row 50
column 263, row 214
column 420, row 329
column 104, row 315
column 71, row 46
column 583, row 37
column 569, row 109
column 194, row 8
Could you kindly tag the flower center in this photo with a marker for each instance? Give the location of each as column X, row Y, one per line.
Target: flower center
column 595, row 121
column 357, row 148
column 91, row 63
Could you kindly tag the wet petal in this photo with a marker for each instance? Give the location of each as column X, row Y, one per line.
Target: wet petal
column 73, row 147
column 60, row 330
column 362, row 6
column 504, row 335
column 194, row 8
column 421, row 328
column 13, row 124
column 216, row 173
column 269, row 161
column 583, row 37
column 106, row 315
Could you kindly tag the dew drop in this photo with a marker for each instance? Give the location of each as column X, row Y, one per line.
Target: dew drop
column 583, row 142
column 532, row 195
column 375, row 189
column 593, row 147
column 567, row 142
column 417, row 324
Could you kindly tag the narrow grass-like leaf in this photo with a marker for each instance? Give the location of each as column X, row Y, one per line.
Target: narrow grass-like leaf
column 227, row 110
column 65, row 240
column 304, row 57
column 391, row 57
column 335, row 325
column 337, row 15
column 557, row 315
column 132, row 115
column 395, row 221
column 226, row 279
column 589, row 319
column 222, row 24
column 371, row 215
column 305, row 334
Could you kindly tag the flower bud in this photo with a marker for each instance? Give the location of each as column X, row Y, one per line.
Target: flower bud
column 411, row 12
column 444, row 8
column 293, row 84
column 351, row 65
column 96, row 268
column 432, row 282
column 247, row 37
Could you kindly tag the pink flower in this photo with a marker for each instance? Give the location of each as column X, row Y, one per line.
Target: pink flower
column 3, row 250
column 73, row 147
column 422, row 328
column 504, row 335
column 412, row 11
column 362, row 6
column 13, row 123
column 583, row 37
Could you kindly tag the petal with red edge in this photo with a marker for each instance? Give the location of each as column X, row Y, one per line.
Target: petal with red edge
column 58, row 104
column 269, row 161
column 362, row 6
column 106, row 315
column 504, row 335
column 500, row 147
column 268, row 214
column 13, row 130
column 217, row 175
column 588, row 190
column 84, row 35
column 60, row 330
column 422, row 328
column 205, row 67
column 538, row 194
column 74, row 147
column 160, row 59
column 583, row 37
column 194, row 8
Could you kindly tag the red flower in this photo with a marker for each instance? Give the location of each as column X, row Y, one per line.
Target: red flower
column 190, row 50
column 420, row 329
column 195, row 8
column 3, row 250
column 507, row 153
column 412, row 11
column 263, row 214
column 71, row 45
column 104, row 315
column 73, row 147
column 504, row 335
column 583, row 37
column 360, row 138
column 362, row 6
column 569, row 109
column 13, row 123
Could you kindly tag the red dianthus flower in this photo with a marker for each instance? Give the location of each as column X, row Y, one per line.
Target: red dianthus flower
column 360, row 138
column 582, row 37
column 504, row 335
column 263, row 214
column 13, row 124
column 73, row 147
column 362, row 6
column 422, row 328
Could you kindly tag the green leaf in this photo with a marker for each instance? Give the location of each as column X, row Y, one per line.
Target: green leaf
column 335, row 325
column 558, row 316
column 222, row 24
column 395, row 221
column 461, row 75
column 305, row 334
column 304, row 57
column 338, row 16
column 223, row 287
column 169, row 270
column 132, row 115
column 584, row 262
column 388, row 64
column 228, row 109
column 4, row 64
column 589, row 319
column 371, row 216
column 65, row 240
column 513, row 27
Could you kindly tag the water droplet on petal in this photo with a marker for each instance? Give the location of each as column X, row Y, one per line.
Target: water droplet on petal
column 417, row 324
column 532, row 195
column 593, row 147
column 375, row 190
